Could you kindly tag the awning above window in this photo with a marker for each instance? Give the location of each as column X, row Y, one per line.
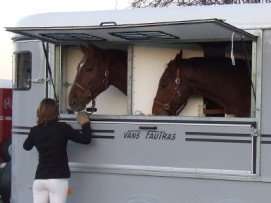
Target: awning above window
column 183, row 31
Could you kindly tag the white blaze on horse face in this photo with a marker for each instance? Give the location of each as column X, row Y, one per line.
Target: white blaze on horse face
column 81, row 64
column 169, row 92
column 91, row 80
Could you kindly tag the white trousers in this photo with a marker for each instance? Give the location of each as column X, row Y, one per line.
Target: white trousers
column 50, row 190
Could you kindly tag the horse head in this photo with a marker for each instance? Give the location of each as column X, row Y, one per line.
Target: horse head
column 91, row 79
column 172, row 94
column 213, row 78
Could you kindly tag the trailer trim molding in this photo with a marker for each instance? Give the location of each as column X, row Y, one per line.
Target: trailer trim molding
column 220, row 174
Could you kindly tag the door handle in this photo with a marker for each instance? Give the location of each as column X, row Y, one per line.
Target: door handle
column 148, row 127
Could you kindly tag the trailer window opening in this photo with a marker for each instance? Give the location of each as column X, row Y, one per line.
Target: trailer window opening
column 145, row 67
column 210, row 86
column 22, row 71
column 83, row 75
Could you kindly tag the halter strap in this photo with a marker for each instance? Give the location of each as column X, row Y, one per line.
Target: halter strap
column 106, row 78
column 178, row 77
column 80, row 86
column 84, row 89
column 166, row 106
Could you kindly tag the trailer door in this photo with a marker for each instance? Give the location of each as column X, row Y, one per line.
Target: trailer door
column 29, row 81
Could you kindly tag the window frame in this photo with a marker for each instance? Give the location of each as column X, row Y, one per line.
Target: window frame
column 255, row 77
column 15, row 68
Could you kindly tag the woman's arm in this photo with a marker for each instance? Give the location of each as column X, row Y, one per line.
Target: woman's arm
column 80, row 136
column 29, row 142
column 83, row 136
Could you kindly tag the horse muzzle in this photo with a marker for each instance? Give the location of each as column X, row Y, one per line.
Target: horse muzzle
column 75, row 105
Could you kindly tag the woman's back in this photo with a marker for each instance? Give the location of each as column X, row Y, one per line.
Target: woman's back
column 51, row 142
column 50, row 138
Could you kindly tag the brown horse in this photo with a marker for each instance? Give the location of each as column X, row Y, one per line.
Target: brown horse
column 213, row 78
column 96, row 72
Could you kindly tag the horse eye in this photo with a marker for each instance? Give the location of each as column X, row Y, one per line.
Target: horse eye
column 81, row 65
column 89, row 69
column 163, row 83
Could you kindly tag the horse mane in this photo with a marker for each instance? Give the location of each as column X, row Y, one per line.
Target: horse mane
column 220, row 81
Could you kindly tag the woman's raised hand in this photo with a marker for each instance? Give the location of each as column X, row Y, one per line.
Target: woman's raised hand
column 82, row 118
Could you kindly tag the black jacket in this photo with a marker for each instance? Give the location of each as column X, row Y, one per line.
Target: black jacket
column 51, row 142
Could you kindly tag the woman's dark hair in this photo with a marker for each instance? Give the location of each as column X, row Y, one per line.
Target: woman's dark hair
column 47, row 111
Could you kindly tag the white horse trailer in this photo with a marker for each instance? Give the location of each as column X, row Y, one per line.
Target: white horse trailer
column 203, row 160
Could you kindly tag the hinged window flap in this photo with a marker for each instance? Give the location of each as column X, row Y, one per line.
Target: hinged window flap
column 182, row 31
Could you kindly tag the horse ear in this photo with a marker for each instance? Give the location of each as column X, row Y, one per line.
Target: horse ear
column 84, row 49
column 89, row 50
column 180, row 55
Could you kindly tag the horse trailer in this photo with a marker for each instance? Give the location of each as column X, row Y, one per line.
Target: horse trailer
column 202, row 155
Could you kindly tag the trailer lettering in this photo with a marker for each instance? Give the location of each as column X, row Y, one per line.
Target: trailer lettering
column 159, row 135
column 149, row 135
column 132, row 134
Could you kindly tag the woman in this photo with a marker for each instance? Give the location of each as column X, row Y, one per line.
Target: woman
column 50, row 137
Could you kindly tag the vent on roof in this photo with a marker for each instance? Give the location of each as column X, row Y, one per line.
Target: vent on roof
column 72, row 37
column 143, row 35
